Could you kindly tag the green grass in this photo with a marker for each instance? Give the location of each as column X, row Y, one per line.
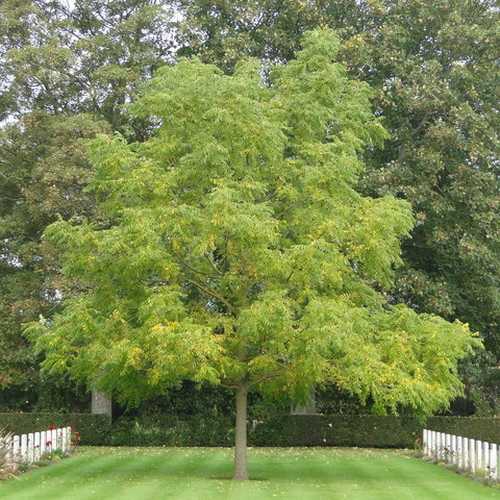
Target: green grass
column 203, row 473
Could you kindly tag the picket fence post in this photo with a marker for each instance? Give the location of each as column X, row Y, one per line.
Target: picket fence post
column 16, row 448
column 24, row 447
column 36, row 448
column 53, row 439
column 472, row 455
column 479, row 455
column 461, row 452
column 493, row 462
column 486, row 456
column 43, row 443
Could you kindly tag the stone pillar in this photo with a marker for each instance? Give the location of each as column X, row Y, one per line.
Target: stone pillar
column 101, row 404
column 308, row 408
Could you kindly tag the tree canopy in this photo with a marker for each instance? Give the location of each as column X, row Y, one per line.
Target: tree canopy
column 232, row 247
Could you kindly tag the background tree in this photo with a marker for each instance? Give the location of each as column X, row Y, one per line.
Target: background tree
column 66, row 70
column 89, row 56
column 44, row 170
column 240, row 252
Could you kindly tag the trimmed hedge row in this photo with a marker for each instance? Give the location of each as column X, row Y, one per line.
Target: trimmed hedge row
column 93, row 429
column 338, row 430
column 367, row 431
column 173, row 431
column 289, row 430
column 299, row 430
column 483, row 428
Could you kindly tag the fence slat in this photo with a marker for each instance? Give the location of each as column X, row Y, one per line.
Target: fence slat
column 53, row 439
column 472, row 455
column 493, row 462
column 43, row 443
column 16, row 449
column 24, row 447
column 479, row 455
column 36, row 448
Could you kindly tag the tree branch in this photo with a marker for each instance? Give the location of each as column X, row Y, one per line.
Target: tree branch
column 185, row 264
column 214, row 267
column 270, row 376
column 212, row 293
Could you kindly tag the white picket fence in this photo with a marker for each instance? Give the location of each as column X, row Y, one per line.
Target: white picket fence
column 29, row 448
column 479, row 458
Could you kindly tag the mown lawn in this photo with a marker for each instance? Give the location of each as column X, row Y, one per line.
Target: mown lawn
column 203, row 473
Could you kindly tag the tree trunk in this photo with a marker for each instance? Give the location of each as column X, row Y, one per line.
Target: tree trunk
column 240, row 444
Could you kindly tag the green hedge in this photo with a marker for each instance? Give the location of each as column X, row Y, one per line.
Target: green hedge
column 338, row 430
column 172, row 431
column 483, row 428
column 298, row 430
column 288, row 430
column 93, row 429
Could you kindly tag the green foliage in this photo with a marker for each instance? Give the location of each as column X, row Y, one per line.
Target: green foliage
column 435, row 80
column 367, row 431
column 433, row 66
column 238, row 252
column 433, row 69
column 87, row 57
column 284, row 430
column 287, row 430
column 225, row 31
column 93, row 429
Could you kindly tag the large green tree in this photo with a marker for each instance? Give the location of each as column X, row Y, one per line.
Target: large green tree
column 237, row 251
column 432, row 65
